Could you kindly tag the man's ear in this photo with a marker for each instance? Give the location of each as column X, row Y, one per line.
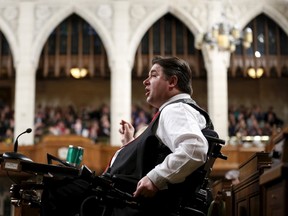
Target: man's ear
column 173, row 81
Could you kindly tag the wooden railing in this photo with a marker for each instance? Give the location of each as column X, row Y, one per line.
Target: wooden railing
column 236, row 156
column 96, row 156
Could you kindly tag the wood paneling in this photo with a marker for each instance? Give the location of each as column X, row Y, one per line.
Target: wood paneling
column 96, row 156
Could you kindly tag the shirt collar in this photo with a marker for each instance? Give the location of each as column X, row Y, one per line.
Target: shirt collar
column 174, row 98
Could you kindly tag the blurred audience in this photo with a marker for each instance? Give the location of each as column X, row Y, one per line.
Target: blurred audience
column 245, row 121
column 94, row 123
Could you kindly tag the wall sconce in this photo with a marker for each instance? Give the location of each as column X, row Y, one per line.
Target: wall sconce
column 78, row 73
column 225, row 37
column 255, row 73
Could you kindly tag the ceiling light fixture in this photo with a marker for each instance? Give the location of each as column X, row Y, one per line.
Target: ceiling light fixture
column 255, row 73
column 78, row 73
column 225, row 37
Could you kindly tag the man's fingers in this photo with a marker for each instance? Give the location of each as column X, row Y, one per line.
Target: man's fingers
column 138, row 191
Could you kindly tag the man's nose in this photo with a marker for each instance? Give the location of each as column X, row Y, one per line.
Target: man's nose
column 145, row 81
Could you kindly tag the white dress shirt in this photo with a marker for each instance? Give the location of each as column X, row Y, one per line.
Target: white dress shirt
column 179, row 128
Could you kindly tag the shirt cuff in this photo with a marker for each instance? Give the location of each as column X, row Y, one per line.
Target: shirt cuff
column 158, row 181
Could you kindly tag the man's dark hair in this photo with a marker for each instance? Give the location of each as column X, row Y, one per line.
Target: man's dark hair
column 178, row 67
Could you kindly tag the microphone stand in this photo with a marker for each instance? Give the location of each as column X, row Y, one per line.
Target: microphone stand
column 15, row 154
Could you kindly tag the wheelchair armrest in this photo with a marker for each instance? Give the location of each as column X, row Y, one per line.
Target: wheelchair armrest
column 124, row 183
column 215, row 145
column 221, row 156
column 214, row 139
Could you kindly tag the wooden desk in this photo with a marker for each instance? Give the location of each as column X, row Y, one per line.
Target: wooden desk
column 236, row 156
column 247, row 193
column 224, row 186
column 96, row 156
column 274, row 183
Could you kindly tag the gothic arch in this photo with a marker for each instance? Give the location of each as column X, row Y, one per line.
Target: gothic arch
column 151, row 18
column 84, row 13
column 11, row 38
column 274, row 14
column 277, row 17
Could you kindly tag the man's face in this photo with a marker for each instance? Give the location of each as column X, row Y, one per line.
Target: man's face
column 156, row 86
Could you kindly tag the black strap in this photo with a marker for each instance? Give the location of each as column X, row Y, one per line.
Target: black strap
column 191, row 102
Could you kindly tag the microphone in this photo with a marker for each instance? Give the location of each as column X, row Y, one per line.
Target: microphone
column 15, row 155
column 28, row 130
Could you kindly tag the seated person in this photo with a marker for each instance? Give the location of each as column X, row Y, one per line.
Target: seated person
column 160, row 164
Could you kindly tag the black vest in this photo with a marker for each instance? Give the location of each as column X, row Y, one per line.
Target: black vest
column 140, row 156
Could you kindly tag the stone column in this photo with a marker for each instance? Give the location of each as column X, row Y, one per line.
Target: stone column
column 120, row 71
column 216, row 63
column 25, row 75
